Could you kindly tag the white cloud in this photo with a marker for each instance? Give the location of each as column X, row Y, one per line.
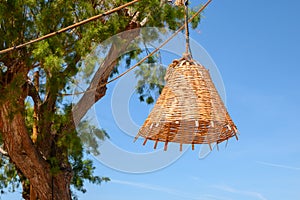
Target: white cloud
column 213, row 197
column 278, row 165
column 240, row 192
column 146, row 186
column 171, row 191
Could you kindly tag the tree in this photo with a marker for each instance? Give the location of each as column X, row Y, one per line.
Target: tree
column 40, row 147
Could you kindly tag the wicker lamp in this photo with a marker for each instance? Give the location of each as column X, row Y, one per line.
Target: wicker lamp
column 189, row 109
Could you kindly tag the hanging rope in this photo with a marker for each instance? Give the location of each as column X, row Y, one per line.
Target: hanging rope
column 69, row 27
column 146, row 57
column 187, row 34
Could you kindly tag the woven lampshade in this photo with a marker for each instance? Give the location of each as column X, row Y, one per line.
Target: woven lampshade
column 189, row 109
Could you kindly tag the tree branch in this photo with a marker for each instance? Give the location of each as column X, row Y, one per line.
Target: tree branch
column 103, row 73
column 3, row 152
column 33, row 93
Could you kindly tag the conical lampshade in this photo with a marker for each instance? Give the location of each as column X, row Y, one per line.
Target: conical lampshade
column 189, row 109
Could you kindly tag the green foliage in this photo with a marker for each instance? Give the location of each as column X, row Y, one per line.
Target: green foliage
column 90, row 136
column 82, row 169
column 89, row 66
column 73, row 141
column 150, row 79
column 28, row 116
column 195, row 22
column 8, row 175
column 59, row 59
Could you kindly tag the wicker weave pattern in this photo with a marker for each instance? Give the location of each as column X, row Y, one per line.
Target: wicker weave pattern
column 189, row 109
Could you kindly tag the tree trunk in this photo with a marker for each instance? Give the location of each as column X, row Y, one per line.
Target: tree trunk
column 31, row 159
column 24, row 155
column 32, row 193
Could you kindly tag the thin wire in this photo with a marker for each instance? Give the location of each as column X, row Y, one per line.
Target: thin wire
column 69, row 27
column 146, row 57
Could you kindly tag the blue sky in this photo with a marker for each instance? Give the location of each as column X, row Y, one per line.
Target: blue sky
column 255, row 45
